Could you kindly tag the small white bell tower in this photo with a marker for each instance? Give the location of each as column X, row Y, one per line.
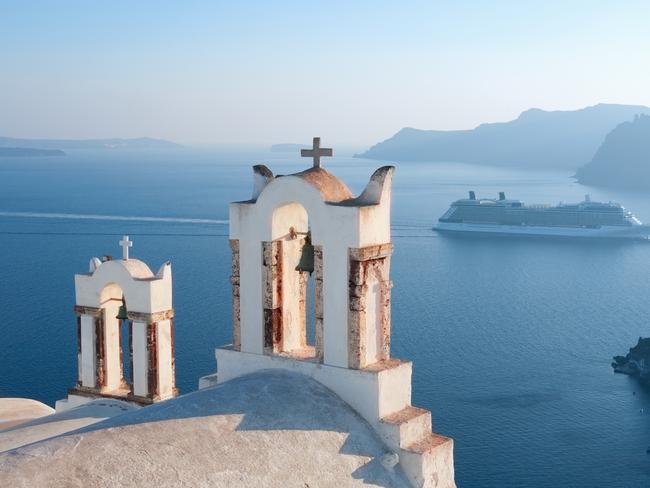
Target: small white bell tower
column 111, row 292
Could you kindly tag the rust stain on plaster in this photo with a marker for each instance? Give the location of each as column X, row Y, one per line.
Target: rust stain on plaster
column 236, row 302
column 173, row 365
column 272, row 295
column 152, row 350
column 100, row 363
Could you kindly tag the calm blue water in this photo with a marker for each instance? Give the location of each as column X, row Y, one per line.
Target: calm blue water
column 511, row 338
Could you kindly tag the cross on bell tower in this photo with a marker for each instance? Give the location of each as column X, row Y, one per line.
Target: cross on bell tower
column 126, row 244
column 316, row 152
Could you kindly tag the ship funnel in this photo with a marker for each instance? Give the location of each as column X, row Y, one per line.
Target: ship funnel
column 502, row 195
column 472, row 195
column 587, row 198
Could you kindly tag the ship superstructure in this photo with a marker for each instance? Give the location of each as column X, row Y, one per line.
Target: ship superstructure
column 506, row 216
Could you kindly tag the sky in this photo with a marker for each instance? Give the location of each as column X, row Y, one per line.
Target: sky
column 351, row 72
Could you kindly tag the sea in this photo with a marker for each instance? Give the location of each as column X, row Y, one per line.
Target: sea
column 511, row 338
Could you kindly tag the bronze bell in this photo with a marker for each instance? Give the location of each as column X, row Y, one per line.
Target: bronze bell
column 121, row 313
column 307, row 257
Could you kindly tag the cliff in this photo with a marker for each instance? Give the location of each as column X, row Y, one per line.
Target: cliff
column 636, row 362
column 536, row 139
column 623, row 160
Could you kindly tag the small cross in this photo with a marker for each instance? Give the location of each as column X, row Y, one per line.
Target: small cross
column 126, row 244
column 316, row 152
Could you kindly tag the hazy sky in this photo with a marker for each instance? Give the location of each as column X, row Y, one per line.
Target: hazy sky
column 353, row 72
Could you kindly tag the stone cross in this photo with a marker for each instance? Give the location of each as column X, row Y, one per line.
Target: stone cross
column 316, row 152
column 126, row 244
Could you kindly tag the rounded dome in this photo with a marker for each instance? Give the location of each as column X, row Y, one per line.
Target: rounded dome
column 136, row 268
column 330, row 187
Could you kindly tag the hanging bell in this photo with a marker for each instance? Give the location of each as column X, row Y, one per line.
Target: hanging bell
column 307, row 257
column 121, row 313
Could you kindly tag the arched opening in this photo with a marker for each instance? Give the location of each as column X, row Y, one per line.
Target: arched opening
column 115, row 338
column 291, row 294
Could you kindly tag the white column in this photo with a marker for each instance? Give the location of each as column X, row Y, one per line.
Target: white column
column 250, row 296
column 88, row 352
column 335, row 306
column 140, row 359
column 293, row 297
column 373, row 334
column 165, row 359
column 112, row 346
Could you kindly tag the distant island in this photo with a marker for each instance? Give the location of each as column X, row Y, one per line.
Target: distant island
column 536, row 139
column 623, row 160
column 27, row 152
column 288, row 147
column 66, row 144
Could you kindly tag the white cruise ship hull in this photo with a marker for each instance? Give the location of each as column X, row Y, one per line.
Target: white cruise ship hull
column 612, row 231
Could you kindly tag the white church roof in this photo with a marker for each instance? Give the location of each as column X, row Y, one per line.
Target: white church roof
column 271, row 429
column 15, row 411
column 51, row 424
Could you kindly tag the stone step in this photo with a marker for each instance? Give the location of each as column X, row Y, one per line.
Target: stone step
column 427, row 444
column 405, row 427
column 429, row 462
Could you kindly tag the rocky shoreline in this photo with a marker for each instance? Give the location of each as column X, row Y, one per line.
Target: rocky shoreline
column 636, row 362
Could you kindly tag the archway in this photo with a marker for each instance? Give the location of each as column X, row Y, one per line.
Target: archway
column 292, row 298
column 115, row 337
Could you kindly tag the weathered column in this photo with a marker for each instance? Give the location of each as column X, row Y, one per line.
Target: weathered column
column 165, row 369
column 369, row 305
column 318, row 305
column 272, row 295
column 89, row 347
column 79, row 368
column 236, row 306
column 153, row 356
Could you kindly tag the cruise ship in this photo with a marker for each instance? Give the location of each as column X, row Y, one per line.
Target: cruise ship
column 505, row 216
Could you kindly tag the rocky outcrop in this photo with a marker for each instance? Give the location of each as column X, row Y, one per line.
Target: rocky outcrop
column 636, row 362
column 623, row 160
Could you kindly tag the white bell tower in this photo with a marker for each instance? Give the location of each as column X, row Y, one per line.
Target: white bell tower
column 351, row 246
column 111, row 292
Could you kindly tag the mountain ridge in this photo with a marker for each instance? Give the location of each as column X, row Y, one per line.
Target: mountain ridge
column 536, row 138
